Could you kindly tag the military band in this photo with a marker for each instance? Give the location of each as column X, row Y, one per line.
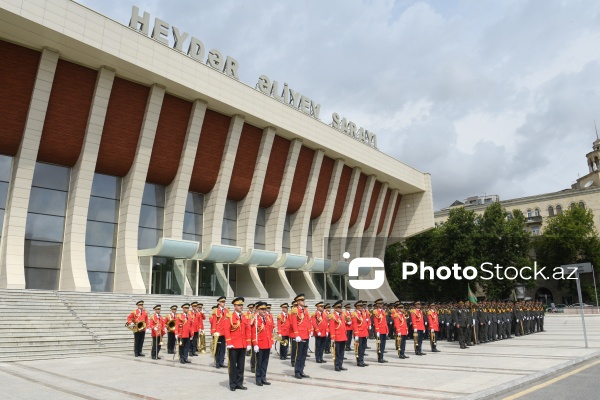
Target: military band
column 255, row 331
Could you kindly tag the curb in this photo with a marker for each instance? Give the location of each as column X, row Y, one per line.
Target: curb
column 516, row 383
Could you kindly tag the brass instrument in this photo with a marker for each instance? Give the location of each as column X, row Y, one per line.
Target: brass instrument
column 214, row 343
column 278, row 338
column 332, row 350
column 416, row 338
column 356, row 350
column 432, row 336
column 140, row 326
column 171, row 326
column 398, row 343
column 378, row 341
column 201, row 347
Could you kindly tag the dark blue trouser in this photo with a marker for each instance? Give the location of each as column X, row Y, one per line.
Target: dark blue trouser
column 348, row 339
column 294, row 345
column 382, row 340
column 184, row 349
column 220, row 354
column 319, row 347
column 283, row 350
column 262, row 363
column 362, row 345
column 138, row 342
column 301, row 352
column 340, row 348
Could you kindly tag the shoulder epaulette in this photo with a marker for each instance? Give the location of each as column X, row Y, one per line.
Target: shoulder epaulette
column 294, row 311
column 228, row 315
column 330, row 316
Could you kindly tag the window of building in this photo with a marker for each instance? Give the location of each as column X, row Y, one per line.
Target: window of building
column 45, row 225
column 551, row 211
column 309, row 236
column 5, row 167
column 101, row 232
column 260, row 229
column 285, row 243
column 151, row 216
column 581, row 204
column 572, row 205
column 535, row 231
column 528, row 213
column 229, row 230
column 193, row 219
column 537, row 212
column 559, row 210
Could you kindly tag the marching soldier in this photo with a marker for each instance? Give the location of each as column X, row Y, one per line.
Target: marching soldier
column 337, row 330
column 262, row 339
column 381, row 329
column 300, row 326
column 542, row 314
column 283, row 328
column 360, row 326
column 220, row 314
column 321, row 331
column 237, row 339
column 401, row 327
column 482, row 323
column 459, row 318
column 158, row 329
column 434, row 327
column 450, row 322
column 418, row 325
column 184, row 330
column 171, row 334
column 135, row 317
column 348, row 314
column 293, row 349
column 328, row 338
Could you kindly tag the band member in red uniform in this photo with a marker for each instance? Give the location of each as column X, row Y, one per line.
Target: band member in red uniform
column 328, row 339
column 136, row 316
column 283, row 328
column 401, row 326
column 184, row 330
column 262, row 340
column 418, row 323
column 293, row 342
column 194, row 338
column 249, row 321
column 381, row 328
column 220, row 313
column 321, row 331
column 237, row 339
column 301, row 327
column 337, row 333
column 158, row 328
column 348, row 315
column 200, row 320
column 171, row 335
column 360, row 326
column 434, row 327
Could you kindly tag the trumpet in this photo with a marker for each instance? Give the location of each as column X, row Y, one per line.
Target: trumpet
column 171, row 326
column 202, row 343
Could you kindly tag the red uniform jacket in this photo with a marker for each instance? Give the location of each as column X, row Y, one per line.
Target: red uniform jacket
column 220, row 317
column 418, row 320
column 158, row 322
column 319, row 324
column 347, row 314
column 337, row 327
column 137, row 316
column 432, row 319
column 199, row 324
column 300, row 323
column 283, row 324
column 235, row 329
column 360, row 324
column 400, row 323
column 184, row 326
column 271, row 321
column 261, row 335
column 380, row 321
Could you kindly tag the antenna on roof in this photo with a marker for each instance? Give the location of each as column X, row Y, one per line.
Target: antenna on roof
column 596, row 129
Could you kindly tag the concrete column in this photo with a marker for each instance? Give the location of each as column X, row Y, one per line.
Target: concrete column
column 248, row 207
column 415, row 213
column 249, row 283
column 322, row 223
column 276, row 213
column 128, row 278
column 300, row 221
column 371, row 232
column 12, row 247
column 381, row 240
column 214, row 202
column 339, row 230
column 176, row 193
column 303, row 283
column 356, row 233
column 73, row 274
column 278, row 284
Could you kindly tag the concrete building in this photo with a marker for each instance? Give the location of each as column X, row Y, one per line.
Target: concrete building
column 130, row 164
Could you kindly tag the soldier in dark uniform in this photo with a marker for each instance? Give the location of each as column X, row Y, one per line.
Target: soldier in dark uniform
column 459, row 318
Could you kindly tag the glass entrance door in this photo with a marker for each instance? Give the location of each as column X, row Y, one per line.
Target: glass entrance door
column 166, row 277
column 208, row 284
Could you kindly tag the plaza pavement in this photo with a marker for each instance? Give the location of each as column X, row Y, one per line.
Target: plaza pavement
column 478, row 372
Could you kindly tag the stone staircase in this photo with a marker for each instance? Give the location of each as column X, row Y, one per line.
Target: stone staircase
column 39, row 324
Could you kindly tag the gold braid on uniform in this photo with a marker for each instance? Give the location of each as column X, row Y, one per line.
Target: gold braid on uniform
column 235, row 327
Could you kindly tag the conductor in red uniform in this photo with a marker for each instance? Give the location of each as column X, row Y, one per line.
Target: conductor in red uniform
column 262, row 340
column 158, row 328
column 135, row 317
column 300, row 327
column 337, row 330
column 237, row 337
column 381, row 328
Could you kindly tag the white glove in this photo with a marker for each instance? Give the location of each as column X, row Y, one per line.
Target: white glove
column 349, row 323
column 517, row 320
column 230, row 346
column 148, row 330
column 155, row 328
column 256, row 348
column 326, row 334
column 298, row 339
column 217, row 333
column 176, row 336
column 498, row 321
column 447, row 323
column 310, row 334
column 355, row 337
column 489, row 322
column 319, row 334
column 415, row 331
column 425, row 322
column 131, row 324
column 249, row 347
column 377, row 334
column 473, row 322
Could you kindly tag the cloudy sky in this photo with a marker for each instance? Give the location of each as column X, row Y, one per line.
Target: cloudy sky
column 490, row 97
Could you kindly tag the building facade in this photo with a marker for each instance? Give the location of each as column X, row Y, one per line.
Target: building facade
column 127, row 165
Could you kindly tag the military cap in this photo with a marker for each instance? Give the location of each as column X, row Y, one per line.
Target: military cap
column 252, row 305
column 358, row 303
column 327, row 305
column 294, row 303
column 268, row 305
column 347, row 305
column 157, row 307
column 319, row 304
column 173, row 307
column 284, row 305
column 213, row 307
column 417, row 303
column 194, row 303
column 338, row 304
column 238, row 301
column 220, row 299
column 300, row 296
column 200, row 305
column 186, row 305
column 378, row 301
column 140, row 302
column 261, row 305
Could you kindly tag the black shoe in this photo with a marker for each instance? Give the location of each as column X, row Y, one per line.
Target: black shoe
column 403, row 356
column 381, row 361
column 319, row 362
column 142, row 355
column 154, row 358
column 422, row 354
column 241, row 387
column 170, row 352
column 345, row 358
column 302, row 374
column 183, row 362
column 337, row 369
column 298, row 376
column 266, row 383
column 188, row 361
column 259, row 384
column 344, row 369
column 435, row 351
column 463, row 347
column 223, row 365
column 360, row 365
column 137, row 355
column 323, row 361
column 367, row 347
column 327, row 352
column 232, row 389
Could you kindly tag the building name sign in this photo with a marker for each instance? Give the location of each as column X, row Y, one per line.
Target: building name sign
column 162, row 32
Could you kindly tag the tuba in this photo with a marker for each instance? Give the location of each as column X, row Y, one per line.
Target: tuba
column 202, row 343
column 171, row 326
column 213, row 344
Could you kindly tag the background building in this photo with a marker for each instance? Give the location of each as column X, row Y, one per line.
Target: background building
column 127, row 165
